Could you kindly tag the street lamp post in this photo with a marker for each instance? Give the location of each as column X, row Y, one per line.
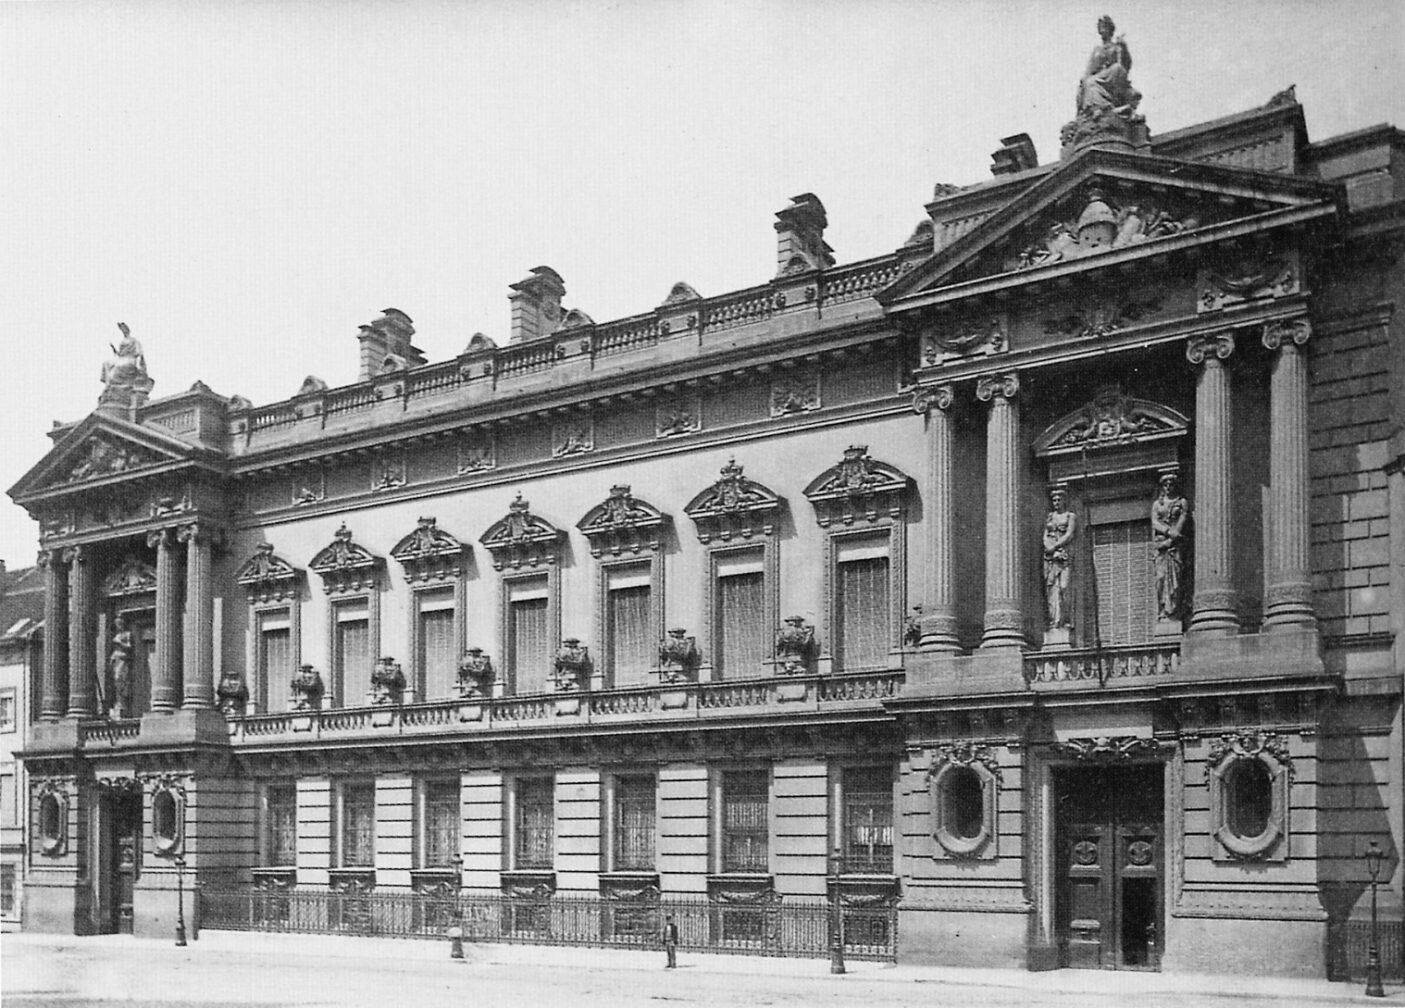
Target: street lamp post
column 1374, row 856
column 456, row 928
column 836, row 916
column 180, row 901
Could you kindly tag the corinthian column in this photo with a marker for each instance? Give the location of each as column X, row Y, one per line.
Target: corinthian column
column 1288, row 602
column 54, row 684
column 1004, row 618
column 1215, row 603
column 200, row 617
column 938, row 623
column 82, row 697
column 165, row 678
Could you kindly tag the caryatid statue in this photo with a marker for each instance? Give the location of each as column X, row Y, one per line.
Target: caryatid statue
column 119, row 668
column 1060, row 526
column 1170, row 512
column 1104, row 85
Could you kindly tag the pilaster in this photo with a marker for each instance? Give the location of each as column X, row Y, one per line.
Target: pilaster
column 1288, row 601
column 165, row 677
column 200, row 616
column 1004, row 615
column 938, row 623
column 1215, row 603
column 82, row 633
column 54, row 685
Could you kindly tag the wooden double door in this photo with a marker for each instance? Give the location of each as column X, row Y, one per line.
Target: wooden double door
column 118, row 859
column 1111, row 866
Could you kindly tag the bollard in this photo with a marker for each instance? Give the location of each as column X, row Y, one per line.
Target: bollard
column 455, row 942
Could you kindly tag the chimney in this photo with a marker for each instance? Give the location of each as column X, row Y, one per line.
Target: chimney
column 385, row 345
column 800, row 244
column 1016, row 154
column 536, row 305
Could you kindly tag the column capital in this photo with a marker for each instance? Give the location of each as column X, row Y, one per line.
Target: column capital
column 47, row 558
column 998, row 386
column 193, row 532
column 930, row 397
column 160, row 538
column 1214, row 347
column 1289, row 332
column 76, row 554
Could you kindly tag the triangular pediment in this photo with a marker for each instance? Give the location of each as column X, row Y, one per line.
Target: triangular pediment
column 1104, row 202
column 101, row 450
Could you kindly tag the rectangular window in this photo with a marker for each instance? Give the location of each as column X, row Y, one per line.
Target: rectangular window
column 629, row 632
column 358, row 825
column 1123, row 574
column 280, row 826
column 867, row 823
column 7, row 890
column 535, row 823
column 275, row 660
column 745, row 820
column 528, row 641
column 440, row 831
column 861, row 581
column 741, row 631
column 351, row 654
column 436, row 659
column 8, row 711
column 634, row 823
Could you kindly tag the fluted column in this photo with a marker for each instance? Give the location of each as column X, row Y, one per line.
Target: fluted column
column 82, row 697
column 1004, row 617
column 165, row 677
column 1215, row 603
column 200, row 616
column 1288, row 601
column 53, row 689
column 938, row 623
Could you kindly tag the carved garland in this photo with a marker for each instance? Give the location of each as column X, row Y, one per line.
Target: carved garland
column 622, row 522
column 734, row 506
column 858, row 487
column 429, row 553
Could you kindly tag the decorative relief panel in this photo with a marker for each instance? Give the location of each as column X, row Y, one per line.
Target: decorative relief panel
column 572, row 437
column 477, row 452
column 858, row 487
column 1112, row 419
column 734, row 506
column 795, row 393
column 1111, row 749
column 309, row 488
column 956, row 336
column 1101, row 316
column 107, row 456
column 520, row 538
column 388, row 471
column 345, row 565
column 429, row 553
column 681, row 416
column 1244, row 277
column 622, row 522
column 132, row 577
column 267, row 577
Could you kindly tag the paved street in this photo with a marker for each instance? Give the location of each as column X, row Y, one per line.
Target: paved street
column 223, row 970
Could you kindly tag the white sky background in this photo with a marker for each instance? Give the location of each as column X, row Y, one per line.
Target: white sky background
column 246, row 183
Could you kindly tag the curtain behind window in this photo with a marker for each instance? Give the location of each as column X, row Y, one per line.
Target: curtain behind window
column 862, row 596
column 530, row 649
column 276, row 667
column 742, row 636
column 438, row 657
column 632, row 645
column 353, row 661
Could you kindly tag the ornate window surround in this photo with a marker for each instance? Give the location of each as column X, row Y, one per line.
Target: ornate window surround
column 1271, row 750
column 865, row 498
column 433, row 560
column 505, row 682
column 51, row 843
column 273, row 587
column 603, row 675
column 265, row 826
column 717, row 553
column 523, row 546
column 981, row 760
column 169, row 843
column 350, row 574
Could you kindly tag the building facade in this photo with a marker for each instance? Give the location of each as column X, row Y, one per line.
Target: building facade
column 21, row 606
column 1039, row 579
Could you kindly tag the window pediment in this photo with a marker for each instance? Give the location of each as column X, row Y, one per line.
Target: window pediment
column 266, row 576
column 522, row 539
column 132, row 577
column 430, row 553
column 734, row 506
column 622, row 522
column 345, row 565
column 1111, row 420
column 858, row 487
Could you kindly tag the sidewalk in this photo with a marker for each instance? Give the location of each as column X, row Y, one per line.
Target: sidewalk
column 1278, row 990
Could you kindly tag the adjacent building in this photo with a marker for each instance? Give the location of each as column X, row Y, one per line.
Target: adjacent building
column 21, row 643
column 1038, row 580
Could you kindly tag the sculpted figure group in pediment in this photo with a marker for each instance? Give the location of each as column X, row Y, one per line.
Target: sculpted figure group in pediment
column 1102, row 224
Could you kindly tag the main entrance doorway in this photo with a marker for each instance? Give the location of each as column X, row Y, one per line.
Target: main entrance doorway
column 1111, row 889
column 118, row 858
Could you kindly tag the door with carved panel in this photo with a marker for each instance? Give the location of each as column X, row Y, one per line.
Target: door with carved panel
column 1110, row 886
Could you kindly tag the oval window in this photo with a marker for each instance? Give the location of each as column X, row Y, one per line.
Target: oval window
column 164, row 819
column 963, row 800
column 50, row 823
column 1248, row 792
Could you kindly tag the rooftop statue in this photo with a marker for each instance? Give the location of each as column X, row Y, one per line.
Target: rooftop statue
column 1105, row 84
column 128, row 364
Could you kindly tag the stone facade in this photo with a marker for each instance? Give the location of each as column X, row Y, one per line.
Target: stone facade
column 767, row 593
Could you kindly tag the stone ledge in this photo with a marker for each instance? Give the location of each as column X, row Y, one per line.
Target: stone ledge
column 1281, row 655
column 983, row 673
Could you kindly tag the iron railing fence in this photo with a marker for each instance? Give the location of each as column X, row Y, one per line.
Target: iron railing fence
column 1348, row 942
column 782, row 926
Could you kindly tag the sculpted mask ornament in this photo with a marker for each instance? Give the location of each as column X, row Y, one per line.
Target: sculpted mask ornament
column 1060, row 526
column 678, row 655
column 475, row 674
column 307, row 689
column 573, row 666
column 1170, row 513
column 795, row 646
column 387, row 682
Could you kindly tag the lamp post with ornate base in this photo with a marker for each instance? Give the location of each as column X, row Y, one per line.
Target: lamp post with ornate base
column 836, row 918
column 1373, row 856
column 180, row 900
column 455, row 931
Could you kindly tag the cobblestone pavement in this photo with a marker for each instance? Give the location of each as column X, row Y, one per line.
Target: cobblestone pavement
column 225, row 970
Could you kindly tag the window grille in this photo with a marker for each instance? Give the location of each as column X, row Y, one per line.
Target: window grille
column 441, row 824
column 868, row 820
column 282, row 826
column 745, row 821
column 634, row 824
column 536, row 820
column 358, row 833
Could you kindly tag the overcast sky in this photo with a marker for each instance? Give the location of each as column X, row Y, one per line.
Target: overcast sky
column 246, row 183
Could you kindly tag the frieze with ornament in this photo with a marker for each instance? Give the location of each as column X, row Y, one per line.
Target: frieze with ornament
column 1102, row 317
column 428, row 553
column 132, row 577
column 1112, row 749
column 623, row 523
column 858, row 487
column 947, row 338
column 521, row 538
column 267, row 577
column 964, row 754
column 477, row 452
column 1247, row 276
column 734, row 506
column 795, row 393
column 680, row 416
column 345, row 565
column 572, row 437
